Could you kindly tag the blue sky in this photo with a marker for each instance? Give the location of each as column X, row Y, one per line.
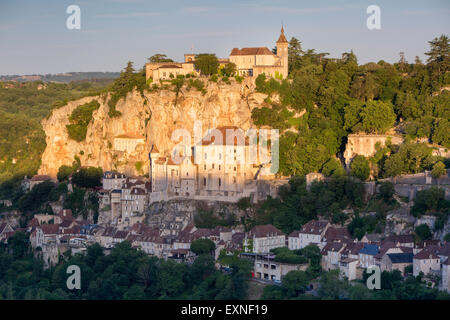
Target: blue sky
column 34, row 37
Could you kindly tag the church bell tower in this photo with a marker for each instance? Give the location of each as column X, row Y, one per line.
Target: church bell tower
column 282, row 52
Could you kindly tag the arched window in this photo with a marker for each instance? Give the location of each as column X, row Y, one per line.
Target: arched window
column 220, row 182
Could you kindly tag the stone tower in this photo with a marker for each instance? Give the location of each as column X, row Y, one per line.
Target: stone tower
column 282, row 52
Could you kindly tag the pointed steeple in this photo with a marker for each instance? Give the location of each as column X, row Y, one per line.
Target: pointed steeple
column 282, row 38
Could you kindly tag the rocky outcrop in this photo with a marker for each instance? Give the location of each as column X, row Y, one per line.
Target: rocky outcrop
column 153, row 115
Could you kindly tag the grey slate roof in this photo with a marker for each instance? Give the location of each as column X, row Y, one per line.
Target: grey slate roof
column 401, row 257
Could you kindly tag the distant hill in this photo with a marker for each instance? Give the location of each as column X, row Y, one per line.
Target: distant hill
column 61, row 77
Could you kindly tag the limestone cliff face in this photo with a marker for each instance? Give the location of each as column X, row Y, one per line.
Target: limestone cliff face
column 154, row 115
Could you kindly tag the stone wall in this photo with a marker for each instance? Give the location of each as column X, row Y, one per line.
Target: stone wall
column 364, row 144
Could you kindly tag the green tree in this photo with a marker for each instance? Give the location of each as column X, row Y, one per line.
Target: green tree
column 439, row 54
column 206, row 63
column 88, row 177
column 333, row 168
column 202, row 246
column 386, row 191
column 359, row 168
column 295, row 282
column 159, row 58
column 438, row 170
column 423, row 232
column 229, row 69
column 331, row 287
column 64, row 172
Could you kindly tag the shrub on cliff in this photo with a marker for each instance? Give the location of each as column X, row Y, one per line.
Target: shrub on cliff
column 79, row 120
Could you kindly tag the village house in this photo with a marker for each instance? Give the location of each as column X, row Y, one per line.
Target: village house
column 348, row 268
column 396, row 261
column 426, row 261
column 113, row 180
column 265, row 267
column 310, row 233
column 367, row 255
column 331, row 255
column 389, row 247
column 264, row 238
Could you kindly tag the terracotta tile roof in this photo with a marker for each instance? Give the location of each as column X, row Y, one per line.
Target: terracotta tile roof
column 333, row 247
column 294, row 234
column 65, row 224
column 426, row 243
column 282, row 38
column 238, row 238
column 154, row 149
column 50, row 228
column 32, row 223
column 169, row 66
column 427, row 253
column 314, row 227
column 256, row 51
column 267, row 230
column 403, row 238
column 334, row 234
column 121, row 234
column 353, row 248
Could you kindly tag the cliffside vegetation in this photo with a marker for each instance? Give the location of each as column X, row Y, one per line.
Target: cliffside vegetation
column 79, row 120
column 127, row 81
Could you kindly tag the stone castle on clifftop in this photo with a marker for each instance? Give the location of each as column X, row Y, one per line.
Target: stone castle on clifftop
column 249, row 62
